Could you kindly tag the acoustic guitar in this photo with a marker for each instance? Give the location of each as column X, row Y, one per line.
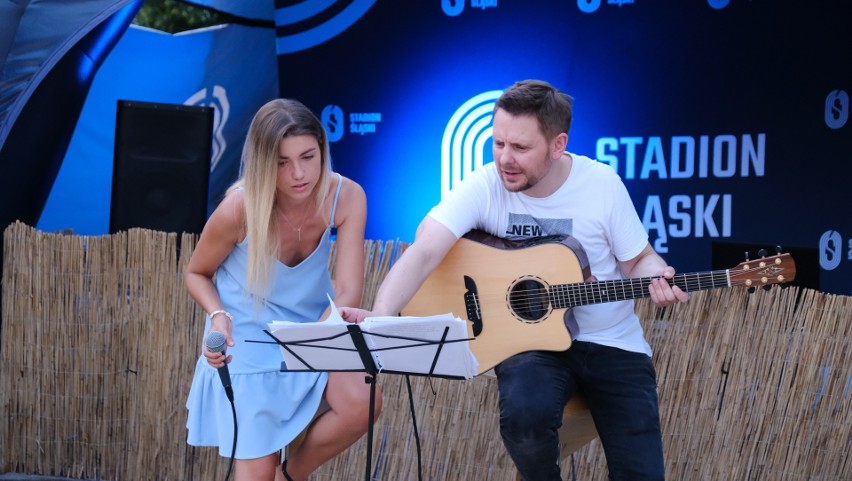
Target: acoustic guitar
column 515, row 294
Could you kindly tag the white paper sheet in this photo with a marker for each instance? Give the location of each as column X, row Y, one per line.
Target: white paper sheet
column 400, row 344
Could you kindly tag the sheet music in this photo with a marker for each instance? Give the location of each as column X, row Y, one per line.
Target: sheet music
column 325, row 346
column 408, row 351
column 412, row 348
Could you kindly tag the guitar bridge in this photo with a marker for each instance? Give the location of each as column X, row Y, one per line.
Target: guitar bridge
column 471, row 303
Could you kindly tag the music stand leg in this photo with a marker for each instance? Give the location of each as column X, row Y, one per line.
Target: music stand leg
column 371, row 380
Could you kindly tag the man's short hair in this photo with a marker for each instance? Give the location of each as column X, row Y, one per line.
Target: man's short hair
column 551, row 107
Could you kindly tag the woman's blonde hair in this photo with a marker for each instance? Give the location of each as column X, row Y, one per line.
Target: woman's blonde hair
column 275, row 121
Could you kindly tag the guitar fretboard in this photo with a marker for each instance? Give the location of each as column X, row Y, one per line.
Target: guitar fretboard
column 584, row 293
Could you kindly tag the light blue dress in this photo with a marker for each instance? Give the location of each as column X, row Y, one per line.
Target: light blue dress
column 272, row 407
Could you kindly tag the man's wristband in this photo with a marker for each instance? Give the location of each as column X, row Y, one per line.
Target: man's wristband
column 223, row 312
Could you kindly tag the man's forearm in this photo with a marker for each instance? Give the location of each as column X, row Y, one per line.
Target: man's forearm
column 401, row 283
column 647, row 264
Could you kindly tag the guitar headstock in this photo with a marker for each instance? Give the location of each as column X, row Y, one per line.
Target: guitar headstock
column 764, row 271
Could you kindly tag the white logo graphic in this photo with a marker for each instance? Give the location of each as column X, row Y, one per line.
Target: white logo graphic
column 830, row 250
column 464, row 139
column 836, row 109
column 221, row 110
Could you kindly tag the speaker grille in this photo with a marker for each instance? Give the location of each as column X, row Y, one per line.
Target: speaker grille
column 161, row 168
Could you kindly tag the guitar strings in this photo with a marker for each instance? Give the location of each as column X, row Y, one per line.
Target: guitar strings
column 583, row 293
column 615, row 288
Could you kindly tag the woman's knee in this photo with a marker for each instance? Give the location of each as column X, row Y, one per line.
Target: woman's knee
column 361, row 406
column 352, row 402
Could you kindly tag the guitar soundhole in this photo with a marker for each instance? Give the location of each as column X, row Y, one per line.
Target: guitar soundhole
column 528, row 300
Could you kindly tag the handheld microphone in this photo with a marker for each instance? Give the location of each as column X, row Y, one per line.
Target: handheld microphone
column 215, row 342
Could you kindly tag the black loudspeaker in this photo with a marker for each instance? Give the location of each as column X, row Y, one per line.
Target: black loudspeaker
column 161, row 168
column 727, row 255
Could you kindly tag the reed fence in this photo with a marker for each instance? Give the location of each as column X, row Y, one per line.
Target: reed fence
column 99, row 338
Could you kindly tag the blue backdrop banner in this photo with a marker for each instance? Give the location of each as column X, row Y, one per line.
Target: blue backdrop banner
column 250, row 9
column 231, row 68
column 726, row 119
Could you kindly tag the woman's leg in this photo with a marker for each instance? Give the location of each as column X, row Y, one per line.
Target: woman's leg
column 347, row 419
column 258, row 469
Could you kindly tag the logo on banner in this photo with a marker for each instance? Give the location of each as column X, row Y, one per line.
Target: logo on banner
column 680, row 158
column 364, row 122
column 836, row 109
column 332, row 120
column 453, row 8
column 463, row 144
column 305, row 11
column 588, row 6
column 591, row 6
column 217, row 98
column 718, row 4
column 830, row 250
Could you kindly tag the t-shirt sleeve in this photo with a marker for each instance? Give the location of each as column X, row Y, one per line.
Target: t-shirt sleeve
column 463, row 207
column 628, row 235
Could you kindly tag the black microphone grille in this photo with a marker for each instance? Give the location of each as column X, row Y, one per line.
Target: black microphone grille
column 215, row 341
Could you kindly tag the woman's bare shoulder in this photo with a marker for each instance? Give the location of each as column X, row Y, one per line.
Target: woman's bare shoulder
column 352, row 203
column 230, row 214
column 352, row 191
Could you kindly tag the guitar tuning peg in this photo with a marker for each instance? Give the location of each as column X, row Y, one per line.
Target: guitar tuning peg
column 746, row 256
column 767, row 287
column 762, row 253
column 777, row 249
column 751, row 290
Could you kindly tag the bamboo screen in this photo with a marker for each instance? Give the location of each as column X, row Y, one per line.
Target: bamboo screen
column 98, row 342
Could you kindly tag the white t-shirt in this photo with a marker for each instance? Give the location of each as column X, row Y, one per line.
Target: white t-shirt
column 592, row 206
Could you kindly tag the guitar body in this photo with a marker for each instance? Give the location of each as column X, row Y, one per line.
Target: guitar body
column 502, row 289
column 504, row 282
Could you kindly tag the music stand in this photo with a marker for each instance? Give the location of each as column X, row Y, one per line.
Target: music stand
column 313, row 348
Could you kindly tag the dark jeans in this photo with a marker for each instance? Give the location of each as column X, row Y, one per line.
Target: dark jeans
column 620, row 388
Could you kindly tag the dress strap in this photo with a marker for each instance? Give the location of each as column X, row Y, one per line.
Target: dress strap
column 336, row 196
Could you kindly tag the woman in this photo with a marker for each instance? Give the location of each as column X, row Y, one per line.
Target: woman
column 267, row 244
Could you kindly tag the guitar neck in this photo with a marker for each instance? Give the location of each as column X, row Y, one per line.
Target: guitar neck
column 585, row 293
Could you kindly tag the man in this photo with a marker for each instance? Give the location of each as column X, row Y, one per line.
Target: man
column 533, row 181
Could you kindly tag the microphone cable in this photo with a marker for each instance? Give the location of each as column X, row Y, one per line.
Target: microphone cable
column 234, row 446
column 215, row 342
